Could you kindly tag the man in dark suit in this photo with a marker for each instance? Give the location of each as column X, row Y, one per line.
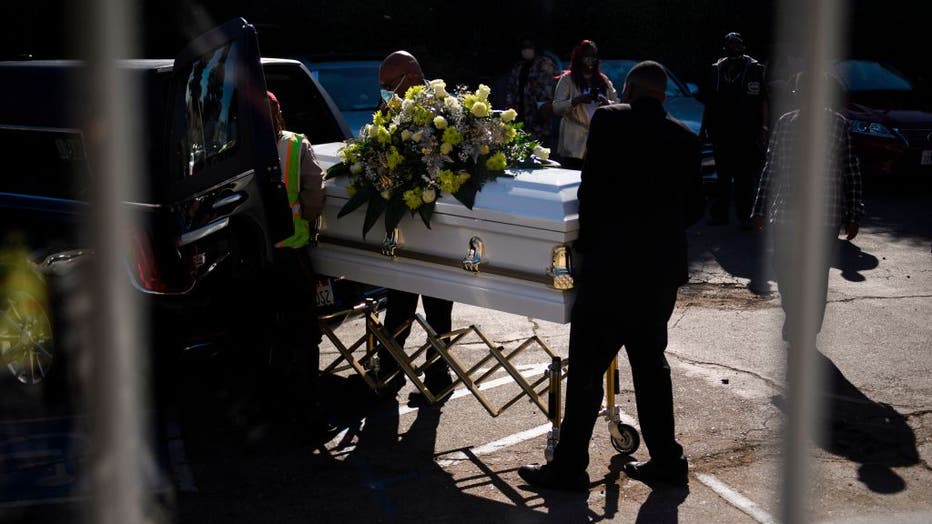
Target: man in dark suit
column 640, row 190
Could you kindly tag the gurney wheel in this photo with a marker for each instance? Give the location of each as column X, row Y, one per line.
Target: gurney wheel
column 627, row 439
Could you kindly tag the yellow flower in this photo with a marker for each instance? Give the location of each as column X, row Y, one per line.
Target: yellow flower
column 393, row 158
column 429, row 195
column 480, row 109
column 381, row 134
column 509, row 115
column 440, row 122
column 496, row 162
column 406, row 135
column 413, row 198
column 386, row 194
column 416, row 136
column 413, row 91
column 510, row 134
column 348, row 154
column 394, row 103
column 378, row 119
column 469, row 101
column 351, row 190
column 452, row 136
column 422, row 115
column 484, row 149
column 445, row 148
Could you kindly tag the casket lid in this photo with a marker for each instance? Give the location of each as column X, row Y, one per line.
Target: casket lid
column 540, row 198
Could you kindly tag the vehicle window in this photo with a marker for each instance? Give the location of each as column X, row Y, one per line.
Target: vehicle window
column 352, row 88
column 860, row 75
column 54, row 166
column 617, row 70
column 303, row 108
column 211, row 110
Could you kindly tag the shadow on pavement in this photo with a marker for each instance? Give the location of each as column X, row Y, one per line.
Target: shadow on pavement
column 851, row 260
column 859, row 429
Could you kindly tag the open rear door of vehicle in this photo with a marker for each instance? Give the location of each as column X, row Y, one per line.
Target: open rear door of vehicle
column 226, row 185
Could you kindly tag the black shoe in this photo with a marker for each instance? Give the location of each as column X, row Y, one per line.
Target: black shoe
column 435, row 382
column 546, row 476
column 674, row 473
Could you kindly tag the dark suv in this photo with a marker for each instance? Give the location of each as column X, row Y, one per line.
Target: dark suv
column 211, row 204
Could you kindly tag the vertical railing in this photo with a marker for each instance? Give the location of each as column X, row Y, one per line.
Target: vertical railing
column 816, row 30
column 111, row 347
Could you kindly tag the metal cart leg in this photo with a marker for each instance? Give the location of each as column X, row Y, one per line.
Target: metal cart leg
column 625, row 438
column 554, row 405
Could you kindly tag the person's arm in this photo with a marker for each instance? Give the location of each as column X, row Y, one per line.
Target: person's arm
column 759, row 211
column 587, row 194
column 851, row 184
column 562, row 101
column 312, row 195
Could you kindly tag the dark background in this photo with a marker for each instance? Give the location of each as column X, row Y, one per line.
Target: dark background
column 472, row 41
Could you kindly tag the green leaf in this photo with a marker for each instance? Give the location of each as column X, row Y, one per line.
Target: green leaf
column 360, row 198
column 394, row 213
column 467, row 192
column 338, row 169
column 376, row 206
column 426, row 211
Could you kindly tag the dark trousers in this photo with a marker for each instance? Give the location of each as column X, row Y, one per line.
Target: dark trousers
column 738, row 169
column 401, row 307
column 596, row 336
column 294, row 288
column 788, row 267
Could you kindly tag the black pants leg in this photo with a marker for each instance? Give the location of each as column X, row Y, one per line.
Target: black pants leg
column 401, row 307
column 594, row 342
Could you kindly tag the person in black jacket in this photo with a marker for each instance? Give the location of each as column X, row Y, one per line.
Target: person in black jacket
column 640, row 190
column 736, row 118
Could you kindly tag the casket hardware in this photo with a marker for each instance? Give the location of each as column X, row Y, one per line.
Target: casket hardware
column 561, row 268
column 391, row 243
column 474, row 255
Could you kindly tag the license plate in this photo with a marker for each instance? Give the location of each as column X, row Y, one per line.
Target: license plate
column 324, row 293
column 926, row 158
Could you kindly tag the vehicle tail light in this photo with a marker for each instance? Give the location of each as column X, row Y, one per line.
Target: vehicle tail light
column 143, row 263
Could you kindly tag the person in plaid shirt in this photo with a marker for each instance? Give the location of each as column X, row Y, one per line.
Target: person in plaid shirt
column 776, row 202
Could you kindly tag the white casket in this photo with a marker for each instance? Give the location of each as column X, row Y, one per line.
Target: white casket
column 523, row 221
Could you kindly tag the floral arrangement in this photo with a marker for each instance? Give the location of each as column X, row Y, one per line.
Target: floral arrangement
column 428, row 144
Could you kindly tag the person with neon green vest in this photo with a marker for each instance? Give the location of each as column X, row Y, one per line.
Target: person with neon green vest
column 293, row 280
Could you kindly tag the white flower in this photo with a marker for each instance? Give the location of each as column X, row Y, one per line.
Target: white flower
column 509, row 115
column 451, row 103
column 365, row 130
column 407, row 105
column 483, row 92
column 439, row 87
column 440, row 122
column 356, row 168
column 386, row 194
column 429, row 195
column 542, row 153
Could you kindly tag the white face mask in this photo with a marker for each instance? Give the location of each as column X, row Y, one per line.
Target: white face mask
column 527, row 54
column 387, row 95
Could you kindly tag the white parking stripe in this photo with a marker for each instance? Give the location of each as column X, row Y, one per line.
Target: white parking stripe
column 736, row 499
column 496, row 445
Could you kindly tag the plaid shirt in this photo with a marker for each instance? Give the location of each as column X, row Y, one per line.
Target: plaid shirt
column 776, row 189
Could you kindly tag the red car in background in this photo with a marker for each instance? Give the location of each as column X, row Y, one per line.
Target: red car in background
column 889, row 118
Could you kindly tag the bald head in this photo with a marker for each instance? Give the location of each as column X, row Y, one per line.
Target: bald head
column 646, row 79
column 399, row 71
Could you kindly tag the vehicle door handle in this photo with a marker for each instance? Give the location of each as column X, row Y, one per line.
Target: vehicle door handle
column 228, row 200
column 202, row 232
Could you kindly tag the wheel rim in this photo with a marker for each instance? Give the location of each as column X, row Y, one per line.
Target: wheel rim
column 628, row 441
column 25, row 338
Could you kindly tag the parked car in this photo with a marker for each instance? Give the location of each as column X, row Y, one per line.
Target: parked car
column 353, row 85
column 681, row 103
column 890, row 118
column 211, row 207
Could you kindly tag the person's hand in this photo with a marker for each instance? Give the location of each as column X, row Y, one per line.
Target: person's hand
column 604, row 101
column 851, row 229
column 758, row 223
column 582, row 99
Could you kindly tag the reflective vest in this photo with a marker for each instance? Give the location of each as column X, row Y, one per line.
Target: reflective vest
column 291, row 172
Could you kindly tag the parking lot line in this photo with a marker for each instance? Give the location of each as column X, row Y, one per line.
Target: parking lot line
column 736, row 499
column 496, row 445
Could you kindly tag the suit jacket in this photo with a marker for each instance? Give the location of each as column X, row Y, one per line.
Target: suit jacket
column 641, row 188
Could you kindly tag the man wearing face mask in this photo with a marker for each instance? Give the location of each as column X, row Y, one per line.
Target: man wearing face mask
column 735, row 119
column 398, row 73
column 530, row 90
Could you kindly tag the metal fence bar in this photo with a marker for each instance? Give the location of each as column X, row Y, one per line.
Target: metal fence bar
column 817, row 29
column 107, row 32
